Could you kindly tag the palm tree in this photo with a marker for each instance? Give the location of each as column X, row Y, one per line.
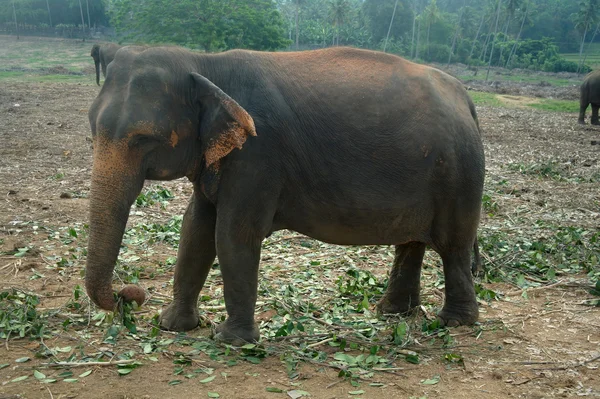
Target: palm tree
column 494, row 41
column 511, row 7
column 82, row 20
column 419, row 19
column 462, row 11
column 514, row 48
column 390, row 27
column 49, row 16
column 297, row 3
column 415, row 14
column 590, row 43
column 584, row 19
column 477, row 34
column 338, row 11
column 432, row 14
column 15, row 16
column 87, row 5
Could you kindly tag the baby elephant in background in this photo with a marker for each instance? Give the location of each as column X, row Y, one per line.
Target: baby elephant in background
column 590, row 94
column 103, row 54
column 348, row 146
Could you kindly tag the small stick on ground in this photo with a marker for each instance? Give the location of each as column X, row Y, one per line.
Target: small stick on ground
column 84, row 364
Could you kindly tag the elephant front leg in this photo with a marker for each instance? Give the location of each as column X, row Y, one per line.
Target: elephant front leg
column 195, row 257
column 402, row 294
column 239, row 257
column 594, row 120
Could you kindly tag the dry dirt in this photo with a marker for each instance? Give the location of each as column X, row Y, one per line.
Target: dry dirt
column 534, row 347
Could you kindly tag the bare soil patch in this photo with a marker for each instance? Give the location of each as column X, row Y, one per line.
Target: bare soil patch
column 539, row 343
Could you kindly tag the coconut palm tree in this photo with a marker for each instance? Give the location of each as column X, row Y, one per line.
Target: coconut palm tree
column 584, row 20
column 432, row 15
column 338, row 11
column 514, row 48
column 511, row 7
column 297, row 4
column 493, row 41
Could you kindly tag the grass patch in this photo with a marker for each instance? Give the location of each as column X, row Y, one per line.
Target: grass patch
column 482, row 98
column 532, row 79
column 46, row 60
column 18, row 76
column 556, row 105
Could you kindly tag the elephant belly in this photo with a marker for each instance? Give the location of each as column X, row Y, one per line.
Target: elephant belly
column 354, row 226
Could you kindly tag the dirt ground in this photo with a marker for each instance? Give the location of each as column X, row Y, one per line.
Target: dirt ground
column 544, row 345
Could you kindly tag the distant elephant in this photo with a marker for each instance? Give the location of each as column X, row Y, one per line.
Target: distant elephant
column 344, row 145
column 590, row 94
column 103, row 55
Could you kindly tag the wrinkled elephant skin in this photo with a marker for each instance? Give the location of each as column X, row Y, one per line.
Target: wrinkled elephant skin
column 346, row 146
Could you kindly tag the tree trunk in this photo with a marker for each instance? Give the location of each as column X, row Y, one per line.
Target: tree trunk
column 49, row 16
column 493, row 42
column 462, row 11
column 514, row 49
column 483, row 53
column 390, row 27
column 412, row 40
column 427, row 43
column 580, row 47
column 418, row 36
column 87, row 4
column 590, row 45
column 505, row 37
column 477, row 35
column 15, row 17
column 296, row 23
column 82, row 20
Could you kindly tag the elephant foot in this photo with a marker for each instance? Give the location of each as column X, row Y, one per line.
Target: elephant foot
column 173, row 319
column 581, row 122
column 387, row 306
column 236, row 334
column 458, row 316
column 595, row 122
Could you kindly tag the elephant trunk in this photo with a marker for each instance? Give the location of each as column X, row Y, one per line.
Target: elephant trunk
column 97, row 62
column 110, row 201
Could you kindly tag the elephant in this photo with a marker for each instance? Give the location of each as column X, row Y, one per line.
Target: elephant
column 103, row 55
column 348, row 146
column 590, row 94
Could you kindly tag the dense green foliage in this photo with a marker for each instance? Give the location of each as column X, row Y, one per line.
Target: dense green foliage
column 208, row 24
column 62, row 12
column 510, row 33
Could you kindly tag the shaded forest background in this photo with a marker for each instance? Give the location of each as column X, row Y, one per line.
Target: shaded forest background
column 528, row 34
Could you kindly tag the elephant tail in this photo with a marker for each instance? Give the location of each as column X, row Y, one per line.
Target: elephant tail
column 476, row 266
column 474, row 115
column 97, row 62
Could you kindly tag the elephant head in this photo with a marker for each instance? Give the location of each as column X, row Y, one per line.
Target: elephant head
column 96, row 56
column 155, row 119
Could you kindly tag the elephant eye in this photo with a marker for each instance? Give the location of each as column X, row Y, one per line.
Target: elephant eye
column 143, row 140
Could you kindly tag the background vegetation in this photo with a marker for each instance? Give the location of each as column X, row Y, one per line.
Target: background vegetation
column 510, row 33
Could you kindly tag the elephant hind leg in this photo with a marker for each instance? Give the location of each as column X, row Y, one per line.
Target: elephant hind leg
column 595, row 114
column 582, row 108
column 402, row 294
column 460, row 307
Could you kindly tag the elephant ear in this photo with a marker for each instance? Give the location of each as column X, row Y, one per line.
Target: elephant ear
column 224, row 124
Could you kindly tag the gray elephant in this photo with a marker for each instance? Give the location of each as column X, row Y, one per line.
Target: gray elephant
column 344, row 145
column 103, row 55
column 590, row 94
